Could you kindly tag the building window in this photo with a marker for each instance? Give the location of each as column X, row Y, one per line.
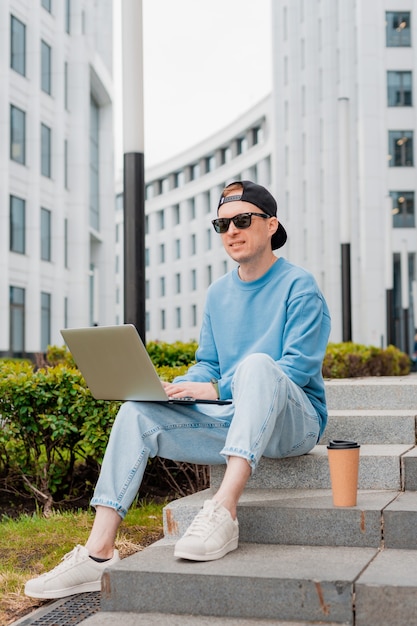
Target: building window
column 68, row 16
column 18, row 46
column 177, row 215
column 45, row 234
column 241, row 145
column 162, row 292
column 195, row 171
column 162, row 253
column 46, row 67
column 17, row 225
column 94, row 165
column 45, row 320
column 177, row 283
column 208, row 235
column 400, row 148
column 210, row 163
column 163, row 322
column 193, row 245
column 149, row 191
column 399, row 86
column 66, row 242
column 45, row 151
column 209, row 275
column 66, row 85
column 178, row 317
column 47, row 4
column 147, row 257
column 193, row 280
column 17, row 135
column 66, row 163
column 17, row 320
column 161, row 219
column 191, row 208
column 178, row 248
column 398, row 28
column 193, row 315
column 403, row 209
column 147, row 290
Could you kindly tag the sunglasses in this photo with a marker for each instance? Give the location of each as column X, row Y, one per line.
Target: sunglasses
column 242, row 221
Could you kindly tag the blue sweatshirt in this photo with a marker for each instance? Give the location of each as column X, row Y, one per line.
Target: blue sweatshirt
column 282, row 314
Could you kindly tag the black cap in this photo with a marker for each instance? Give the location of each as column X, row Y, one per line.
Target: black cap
column 260, row 197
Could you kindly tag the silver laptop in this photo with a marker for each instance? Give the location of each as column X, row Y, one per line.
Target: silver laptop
column 116, row 365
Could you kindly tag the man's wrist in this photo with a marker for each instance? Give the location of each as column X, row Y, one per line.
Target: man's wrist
column 215, row 384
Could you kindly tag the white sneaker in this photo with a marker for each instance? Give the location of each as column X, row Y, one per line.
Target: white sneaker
column 76, row 573
column 211, row 535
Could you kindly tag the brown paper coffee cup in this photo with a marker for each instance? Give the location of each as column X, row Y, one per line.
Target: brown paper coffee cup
column 344, row 470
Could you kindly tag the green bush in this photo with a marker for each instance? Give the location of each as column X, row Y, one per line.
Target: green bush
column 350, row 360
column 50, row 421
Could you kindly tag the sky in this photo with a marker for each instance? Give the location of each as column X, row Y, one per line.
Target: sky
column 205, row 63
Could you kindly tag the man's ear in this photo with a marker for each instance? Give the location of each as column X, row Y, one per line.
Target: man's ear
column 273, row 225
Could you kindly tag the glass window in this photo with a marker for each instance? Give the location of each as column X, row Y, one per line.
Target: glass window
column 45, row 234
column 210, row 163
column 193, row 244
column 208, row 235
column 191, row 205
column 399, row 86
column 176, row 212
column 403, row 209
column 161, row 219
column 398, row 28
column 241, row 145
column 162, row 319
column 162, row 286
column 66, row 85
column 400, row 148
column 195, row 171
column 162, row 253
column 177, row 248
column 47, row 4
column 68, row 16
column 17, row 320
column 17, row 135
column 45, row 151
column 66, row 242
column 193, row 315
column 209, row 275
column 193, row 280
column 94, row 165
column 45, row 320
column 178, row 317
column 46, row 68
column 17, row 224
column 18, row 46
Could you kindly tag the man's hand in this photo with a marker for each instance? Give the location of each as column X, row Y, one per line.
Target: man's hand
column 205, row 391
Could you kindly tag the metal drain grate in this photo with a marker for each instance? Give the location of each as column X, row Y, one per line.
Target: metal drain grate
column 73, row 611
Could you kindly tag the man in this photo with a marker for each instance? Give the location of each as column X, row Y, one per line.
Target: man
column 262, row 342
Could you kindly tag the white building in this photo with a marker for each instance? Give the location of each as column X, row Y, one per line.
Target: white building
column 56, row 170
column 183, row 252
column 344, row 124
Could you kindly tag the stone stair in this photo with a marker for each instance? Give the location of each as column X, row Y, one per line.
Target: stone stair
column 300, row 559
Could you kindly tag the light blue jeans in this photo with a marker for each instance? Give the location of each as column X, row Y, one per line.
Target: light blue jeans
column 270, row 416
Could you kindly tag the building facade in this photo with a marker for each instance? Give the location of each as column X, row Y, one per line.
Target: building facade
column 56, row 170
column 343, row 157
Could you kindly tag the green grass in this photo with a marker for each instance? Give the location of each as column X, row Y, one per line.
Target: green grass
column 33, row 544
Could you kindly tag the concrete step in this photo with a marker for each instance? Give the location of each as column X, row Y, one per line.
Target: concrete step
column 308, row 517
column 386, row 592
column 169, row 619
column 372, row 426
column 269, row 582
column 385, row 392
column 379, row 468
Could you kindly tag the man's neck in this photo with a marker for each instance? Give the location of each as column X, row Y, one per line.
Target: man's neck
column 250, row 271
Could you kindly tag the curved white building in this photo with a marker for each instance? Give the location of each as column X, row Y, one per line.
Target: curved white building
column 56, row 170
column 183, row 252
